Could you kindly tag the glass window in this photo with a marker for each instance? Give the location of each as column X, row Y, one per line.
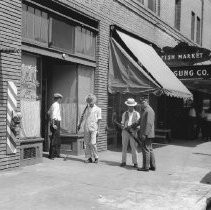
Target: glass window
column 85, row 42
column 30, row 96
column 198, row 31
column 34, row 24
column 177, row 14
column 152, row 5
column 192, row 25
column 62, row 35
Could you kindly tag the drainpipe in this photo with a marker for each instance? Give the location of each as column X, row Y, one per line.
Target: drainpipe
column 202, row 20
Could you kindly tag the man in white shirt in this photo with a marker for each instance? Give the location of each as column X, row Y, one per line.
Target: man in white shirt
column 128, row 118
column 55, row 119
column 91, row 117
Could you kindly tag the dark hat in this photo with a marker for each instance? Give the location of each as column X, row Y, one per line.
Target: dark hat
column 144, row 98
column 57, row 95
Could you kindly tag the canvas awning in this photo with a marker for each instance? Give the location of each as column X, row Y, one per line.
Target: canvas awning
column 125, row 75
column 164, row 79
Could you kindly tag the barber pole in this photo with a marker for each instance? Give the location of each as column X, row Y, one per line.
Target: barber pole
column 11, row 107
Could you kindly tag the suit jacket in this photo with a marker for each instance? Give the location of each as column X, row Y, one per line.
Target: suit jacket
column 147, row 123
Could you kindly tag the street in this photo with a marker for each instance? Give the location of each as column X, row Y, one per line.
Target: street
column 182, row 181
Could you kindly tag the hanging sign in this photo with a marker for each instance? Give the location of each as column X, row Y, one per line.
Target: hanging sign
column 184, row 55
column 193, row 72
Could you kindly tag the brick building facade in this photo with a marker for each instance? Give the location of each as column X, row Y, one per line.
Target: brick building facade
column 154, row 25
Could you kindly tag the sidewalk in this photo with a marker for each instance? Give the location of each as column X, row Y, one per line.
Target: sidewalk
column 182, row 181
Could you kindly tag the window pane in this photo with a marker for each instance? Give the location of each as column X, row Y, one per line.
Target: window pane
column 177, row 14
column 85, row 42
column 30, row 98
column 37, row 24
column 152, row 5
column 63, row 35
column 192, row 25
column 198, row 32
column 30, row 23
column 44, row 27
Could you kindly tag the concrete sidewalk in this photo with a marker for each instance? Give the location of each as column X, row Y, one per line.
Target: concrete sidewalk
column 182, row 181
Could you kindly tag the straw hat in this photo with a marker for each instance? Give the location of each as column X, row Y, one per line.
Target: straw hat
column 57, row 95
column 130, row 102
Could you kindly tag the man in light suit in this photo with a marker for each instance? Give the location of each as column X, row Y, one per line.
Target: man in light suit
column 147, row 133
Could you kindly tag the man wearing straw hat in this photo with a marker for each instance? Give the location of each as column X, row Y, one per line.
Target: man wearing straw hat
column 128, row 118
column 91, row 118
column 55, row 119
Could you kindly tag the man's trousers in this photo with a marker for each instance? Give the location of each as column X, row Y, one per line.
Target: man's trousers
column 148, row 155
column 55, row 141
column 126, row 138
column 90, row 141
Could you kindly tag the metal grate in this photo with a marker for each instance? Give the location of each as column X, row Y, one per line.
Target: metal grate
column 29, row 153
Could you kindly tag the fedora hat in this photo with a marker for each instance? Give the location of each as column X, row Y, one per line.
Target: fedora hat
column 130, row 102
column 57, row 95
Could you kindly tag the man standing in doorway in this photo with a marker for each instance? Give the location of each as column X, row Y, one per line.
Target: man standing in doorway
column 55, row 119
column 147, row 133
column 129, row 117
column 91, row 118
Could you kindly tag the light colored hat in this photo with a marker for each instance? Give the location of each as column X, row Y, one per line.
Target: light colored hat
column 57, row 95
column 130, row 102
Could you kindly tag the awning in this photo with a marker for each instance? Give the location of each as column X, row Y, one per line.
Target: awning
column 125, row 75
column 155, row 67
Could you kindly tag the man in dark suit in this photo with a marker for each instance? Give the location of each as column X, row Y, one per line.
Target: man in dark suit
column 147, row 133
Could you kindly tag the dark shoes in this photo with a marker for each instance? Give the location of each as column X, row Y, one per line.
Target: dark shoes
column 152, row 168
column 135, row 165
column 122, row 164
column 146, row 169
column 88, row 161
column 143, row 169
column 96, row 160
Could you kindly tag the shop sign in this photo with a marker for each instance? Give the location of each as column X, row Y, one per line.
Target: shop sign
column 184, row 55
column 29, row 82
column 198, row 72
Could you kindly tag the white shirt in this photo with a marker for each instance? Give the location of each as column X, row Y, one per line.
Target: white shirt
column 92, row 115
column 55, row 111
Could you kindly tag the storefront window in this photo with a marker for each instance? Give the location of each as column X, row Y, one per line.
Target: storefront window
column 62, row 35
column 85, row 42
column 30, row 96
column 34, row 24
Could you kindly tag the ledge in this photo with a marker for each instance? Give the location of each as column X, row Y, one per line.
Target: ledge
column 75, row 136
column 31, row 140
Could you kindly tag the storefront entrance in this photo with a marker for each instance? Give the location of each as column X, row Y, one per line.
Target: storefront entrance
column 42, row 77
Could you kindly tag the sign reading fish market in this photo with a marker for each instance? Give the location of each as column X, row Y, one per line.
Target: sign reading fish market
column 184, row 55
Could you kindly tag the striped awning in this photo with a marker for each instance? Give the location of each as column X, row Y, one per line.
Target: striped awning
column 155, row 67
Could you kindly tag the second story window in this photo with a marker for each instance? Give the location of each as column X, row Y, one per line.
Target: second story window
column 192, row 25
column 152, row 5
column 177, row 14
column 198, row 31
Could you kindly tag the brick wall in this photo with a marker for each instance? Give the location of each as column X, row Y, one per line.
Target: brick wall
column 10, row 37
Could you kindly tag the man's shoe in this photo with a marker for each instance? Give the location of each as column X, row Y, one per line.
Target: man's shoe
column 152, row 168
column 88, row 161
column 135, row 165
column 143, row 169
column 96, row 160
column 122, row 164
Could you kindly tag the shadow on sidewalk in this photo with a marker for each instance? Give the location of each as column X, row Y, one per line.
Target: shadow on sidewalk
column 186, row 143
column 206, row 179
column 117, row 164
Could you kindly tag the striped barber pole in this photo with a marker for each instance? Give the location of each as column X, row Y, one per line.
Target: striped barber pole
column 11, row 107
